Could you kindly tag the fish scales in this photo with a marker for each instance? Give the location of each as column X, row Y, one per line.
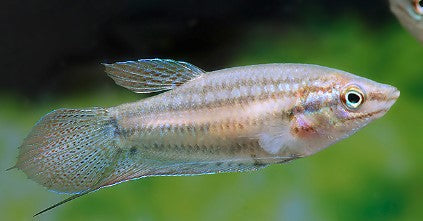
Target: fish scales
column 230, row 120
column 219, row 112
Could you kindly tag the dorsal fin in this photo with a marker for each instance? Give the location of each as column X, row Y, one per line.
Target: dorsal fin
column 152, row 75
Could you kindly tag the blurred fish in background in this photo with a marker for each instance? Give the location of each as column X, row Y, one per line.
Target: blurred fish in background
column 410, row 14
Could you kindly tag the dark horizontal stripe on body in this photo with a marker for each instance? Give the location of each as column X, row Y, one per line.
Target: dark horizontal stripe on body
column 217, row 103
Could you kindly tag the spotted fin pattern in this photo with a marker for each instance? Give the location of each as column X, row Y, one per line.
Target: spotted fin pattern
column 69, row 150
column 152, row 75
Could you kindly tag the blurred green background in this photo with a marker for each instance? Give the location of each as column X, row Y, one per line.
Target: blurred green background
column 373, row 175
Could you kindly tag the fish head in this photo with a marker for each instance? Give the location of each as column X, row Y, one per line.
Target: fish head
column 338, row 108
column 361, row 101
column 410, row 15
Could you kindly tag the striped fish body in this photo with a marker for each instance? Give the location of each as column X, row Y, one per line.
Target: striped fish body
column 235, row 119
column 230, row 120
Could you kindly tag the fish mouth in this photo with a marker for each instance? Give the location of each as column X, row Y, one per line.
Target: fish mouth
column 382, row 100
column 393, row 96
column 395, row 93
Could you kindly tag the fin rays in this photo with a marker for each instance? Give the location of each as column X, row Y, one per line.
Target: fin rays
column 69, row 149
column 60, row 203
column 152, row 75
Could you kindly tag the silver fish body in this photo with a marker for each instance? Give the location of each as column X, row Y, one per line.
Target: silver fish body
column 235, row 119
column 243, row 118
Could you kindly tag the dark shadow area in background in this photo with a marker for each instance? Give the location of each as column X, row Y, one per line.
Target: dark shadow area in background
column 43, row 41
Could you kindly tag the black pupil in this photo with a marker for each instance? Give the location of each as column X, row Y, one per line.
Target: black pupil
column 353, row 98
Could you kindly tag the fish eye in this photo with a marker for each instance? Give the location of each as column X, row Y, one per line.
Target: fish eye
column 418, row 6
column 352, row 98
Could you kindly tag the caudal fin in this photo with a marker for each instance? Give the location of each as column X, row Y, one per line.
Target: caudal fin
column 70, row 150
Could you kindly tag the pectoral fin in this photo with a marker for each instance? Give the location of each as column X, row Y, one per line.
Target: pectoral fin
column 276, row 138
column 152, row 75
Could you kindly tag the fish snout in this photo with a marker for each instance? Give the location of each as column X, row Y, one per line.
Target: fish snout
column 395, row 93
column 392, row 96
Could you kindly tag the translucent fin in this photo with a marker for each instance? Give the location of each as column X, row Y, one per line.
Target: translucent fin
column 129, row 169
column 275, row 137
column 283, row 139
column 152, row 75
column 70, row 150
column 145, row 165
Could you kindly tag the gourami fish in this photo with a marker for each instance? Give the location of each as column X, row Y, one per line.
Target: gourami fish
column 230, row 120
column 410, row 15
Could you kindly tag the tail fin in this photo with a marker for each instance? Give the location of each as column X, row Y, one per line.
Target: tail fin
column 70, row 150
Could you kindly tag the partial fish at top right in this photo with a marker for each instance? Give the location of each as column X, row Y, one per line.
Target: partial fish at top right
column 410, row 15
